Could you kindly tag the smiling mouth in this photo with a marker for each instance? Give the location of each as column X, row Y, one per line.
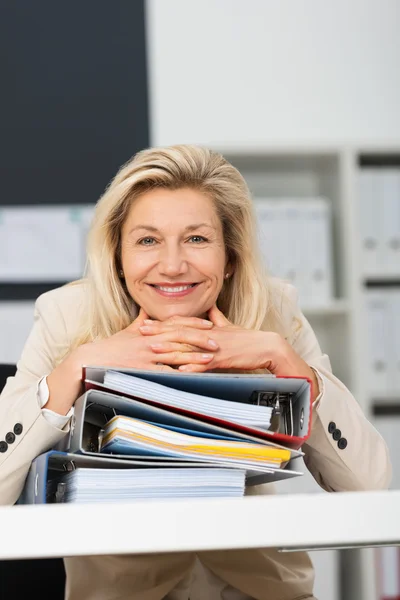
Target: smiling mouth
column 174, row 289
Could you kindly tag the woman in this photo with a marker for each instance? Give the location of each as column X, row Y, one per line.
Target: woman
column 174, row 282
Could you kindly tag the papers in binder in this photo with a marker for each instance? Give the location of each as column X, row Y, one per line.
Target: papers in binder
column 252, row 415
column 157, row 420
column 48, row 469
column 125, row 435
column 113, row 485
column 287, row 424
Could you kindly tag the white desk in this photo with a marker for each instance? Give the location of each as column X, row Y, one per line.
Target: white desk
column 313, row 521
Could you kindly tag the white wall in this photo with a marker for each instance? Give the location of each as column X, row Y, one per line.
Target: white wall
column 266, row 72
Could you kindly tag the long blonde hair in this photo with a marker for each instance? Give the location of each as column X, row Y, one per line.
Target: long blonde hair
column 249, row 298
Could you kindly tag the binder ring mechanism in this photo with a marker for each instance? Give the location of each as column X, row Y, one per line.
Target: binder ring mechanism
column 282, row 409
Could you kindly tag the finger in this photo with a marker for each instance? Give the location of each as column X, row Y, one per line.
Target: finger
column 161, row 347
column 182, row 358
column 160, row 367
column 176, row 321
column 217, row 317
column 142, row 314
column 191, row 368
column 139, row 319
column 184, row 335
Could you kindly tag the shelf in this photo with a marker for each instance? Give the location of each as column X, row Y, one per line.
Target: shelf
column 382, row 281
column 386, row 408
column 389, row 399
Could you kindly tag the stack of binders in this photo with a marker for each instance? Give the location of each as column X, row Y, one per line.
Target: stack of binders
column 151, row 435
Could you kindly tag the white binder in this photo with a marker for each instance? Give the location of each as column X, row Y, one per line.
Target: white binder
column 317, row 238
column 296, row 243
column 394, row 349
column 378, row 351
column 390, row 211
column 370, row 222
column 269, row 225
column 291, row 245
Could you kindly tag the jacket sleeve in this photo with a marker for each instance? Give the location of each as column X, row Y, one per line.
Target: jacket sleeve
column 361, row 460
column 20, row 412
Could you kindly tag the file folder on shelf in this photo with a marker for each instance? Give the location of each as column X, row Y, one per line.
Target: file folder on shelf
column 289, row 398
column 56, row 476
column 389, row 212
column 379, row 351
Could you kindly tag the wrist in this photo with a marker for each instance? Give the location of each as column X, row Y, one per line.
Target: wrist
column 315, row 387
column 65, row 384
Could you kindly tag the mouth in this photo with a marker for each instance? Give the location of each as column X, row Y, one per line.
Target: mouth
column 175, row 289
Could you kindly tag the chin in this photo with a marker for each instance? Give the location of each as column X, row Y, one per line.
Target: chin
column 163, row 313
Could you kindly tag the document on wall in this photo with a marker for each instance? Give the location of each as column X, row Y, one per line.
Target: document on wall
column 43, row 243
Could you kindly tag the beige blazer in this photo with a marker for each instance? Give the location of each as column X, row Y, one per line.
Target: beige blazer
column 261, row 574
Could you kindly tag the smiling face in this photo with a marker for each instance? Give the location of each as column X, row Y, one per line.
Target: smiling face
column 173, row 253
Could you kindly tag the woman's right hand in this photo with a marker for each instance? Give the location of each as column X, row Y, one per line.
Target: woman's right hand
column 127, row 349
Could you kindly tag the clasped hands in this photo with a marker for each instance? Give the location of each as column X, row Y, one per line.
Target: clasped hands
column 197, row 345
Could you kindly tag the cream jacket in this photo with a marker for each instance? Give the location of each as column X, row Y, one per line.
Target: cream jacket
column 335, row 462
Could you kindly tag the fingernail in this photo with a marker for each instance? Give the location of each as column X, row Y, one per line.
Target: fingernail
column 212, row 344
column 185, row 368
column 145, row 329
column 156, row 346
column 148, row 321
column 207, row 356
column 208, row 323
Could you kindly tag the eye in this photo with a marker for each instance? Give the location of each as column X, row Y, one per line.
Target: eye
column 197, row 239
column 146, row 241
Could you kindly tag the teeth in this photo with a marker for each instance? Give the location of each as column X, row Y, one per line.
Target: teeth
column 181, row 288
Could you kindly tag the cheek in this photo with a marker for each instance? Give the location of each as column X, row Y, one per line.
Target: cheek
column 135, row 266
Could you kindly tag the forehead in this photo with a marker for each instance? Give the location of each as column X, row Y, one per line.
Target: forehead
column 161, row 207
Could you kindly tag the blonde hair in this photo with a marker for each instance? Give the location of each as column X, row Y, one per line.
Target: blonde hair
column 249, row 298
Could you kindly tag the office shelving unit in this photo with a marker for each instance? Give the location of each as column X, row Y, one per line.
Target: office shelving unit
column 341, row 325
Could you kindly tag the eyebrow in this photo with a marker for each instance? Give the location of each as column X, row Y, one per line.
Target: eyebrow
column 188, row 228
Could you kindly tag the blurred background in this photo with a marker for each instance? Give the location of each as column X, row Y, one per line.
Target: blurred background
column 303, row 97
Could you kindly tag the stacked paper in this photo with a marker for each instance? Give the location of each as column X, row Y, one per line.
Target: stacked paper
column 119, row 485
column 126, row 435
column 252, row 415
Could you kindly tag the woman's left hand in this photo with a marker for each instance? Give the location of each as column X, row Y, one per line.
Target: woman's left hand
column 242, row 349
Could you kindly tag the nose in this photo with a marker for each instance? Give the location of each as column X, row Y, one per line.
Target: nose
column 172, row 260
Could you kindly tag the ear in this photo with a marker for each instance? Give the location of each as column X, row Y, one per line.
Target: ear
column 217, row 317
column 229, row 269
